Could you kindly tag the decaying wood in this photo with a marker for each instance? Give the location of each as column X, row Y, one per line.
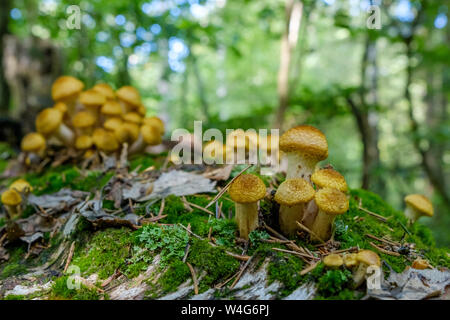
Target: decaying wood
column 241, row 272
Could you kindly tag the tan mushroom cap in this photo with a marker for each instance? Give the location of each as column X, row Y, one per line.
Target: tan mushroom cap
column 105, row 89
column 65, row 87
column 329, row 178
column 111, row 108
column 133, row 117
column 333, row 260
column 92, row 98
column 154, row 121
column 133, row 130
column 48, row 120
column 368, row 257
column 420, row 203
column 84, row 142
column 350, row 260
column 247, row 188
column 421, row 264
column 105, row 140
column 331, row 201
column 21, row 185
column 61, row 106
column 305, row 139
column 83, row 119
column 33, row 142
column 11, row 198
column 151, row 135
column 142, row 110
column 294, row 191
column 112, row 123
column 129, row 95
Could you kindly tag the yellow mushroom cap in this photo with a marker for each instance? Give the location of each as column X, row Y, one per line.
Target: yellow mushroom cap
column 66, row 86
column 142, row 110
column 133, row 117
column 151, row 135
column 11, row 198
column 329, row 178
column 21, row 185
column 350, row 260
column 48, row 120
column 83, row 119
column 129, row 95
column 111, row 108
column 368, row 257
column 305, row 139
column 83, row 142
column 133, row 130
column 61, row 106
column 105, row 140
column 92, row 98
column 420, row 203
column 294, row 191
column 33, row 142
column 154, row 121
column 247, row 188
column 421, row 264
column 333, row 260
column 112, row 123
column 105, row 89
column 331, row 201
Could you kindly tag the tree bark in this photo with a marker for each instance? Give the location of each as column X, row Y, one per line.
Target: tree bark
column 294, row 11
column 5, row 7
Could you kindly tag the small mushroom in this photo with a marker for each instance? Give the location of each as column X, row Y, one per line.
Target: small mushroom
column 106, row 90
column 421, row 264
column 148, row 136
column 113, row 123
column 304, row 146
column 84, row 122
column 11, row 199
column 333, row 261
column 105, row 141
column 92, row 101
column 155, row 121
column 111, row 109
column 292, row 195
column 49, row 123
column 129, row 98
column 21, row 186
column 246, row 191
column 417, row 205
column 67, row 89
column 350, row 260
column 34, row 144
column 365, row 258
column 331, row 202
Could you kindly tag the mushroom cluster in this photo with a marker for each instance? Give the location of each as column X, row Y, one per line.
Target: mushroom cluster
column 98, row 118
column 12, row 198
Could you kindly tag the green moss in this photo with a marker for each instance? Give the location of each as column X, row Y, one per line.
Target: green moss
column 286, row 269
column 177, row 273
column 60, row 290
column 15, row 265
column 2, row 222
column 213, row 260
column 15, row 297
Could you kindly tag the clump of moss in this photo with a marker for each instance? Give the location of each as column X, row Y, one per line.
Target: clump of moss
column 213, row 260
column 286, row 269
column 14, row 266
column 177, row 273
column 60, row 290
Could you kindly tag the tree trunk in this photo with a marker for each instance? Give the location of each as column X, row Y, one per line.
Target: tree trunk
column 294, row 10
column 5, row 7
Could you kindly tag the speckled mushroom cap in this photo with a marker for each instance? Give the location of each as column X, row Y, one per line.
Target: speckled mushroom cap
column 111, row 108
column 247, row 188
column 11, row 198
column 420, row 203
column 133, row 117
column 307, row 140
column 48, row 120
column 333, row 260
column 65, row 87
column 154, row 121
column 21, row 185
column 105, row 140
column 331, row 201
column 151, row 135
column 105, row 89
column 368, row 257
column 83, row 119
column 294, row 191
column 83, row 142
column 33, row 142
column 92, row 98
column 329, row 178
column 129, row 95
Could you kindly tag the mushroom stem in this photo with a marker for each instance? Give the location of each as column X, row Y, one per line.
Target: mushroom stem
column 65, row 135
column 288, row 217
column 13, row 211
column 360, row 274
column 412, row 214
column 310, row 214
column 300, row 166
column 246, row 218
column 138, row 145
column 322, row 226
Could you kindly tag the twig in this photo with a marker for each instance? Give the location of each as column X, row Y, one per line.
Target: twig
column 381, row 240
column 209, row 233
column 304, row 228
column 111, row 278
column 199, row 207
column 163, row 203
column 240, row 273
column 303, row 255
column 391, row 253
column 194, row 277
column 345, row 250
column 153, row 219
column 384, row 219
column 217, row 197
column 69, row 257
column 309, row 268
